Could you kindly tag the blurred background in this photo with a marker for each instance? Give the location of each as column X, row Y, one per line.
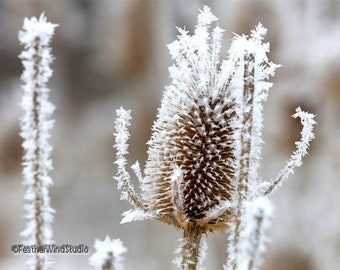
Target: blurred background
column 112, row 53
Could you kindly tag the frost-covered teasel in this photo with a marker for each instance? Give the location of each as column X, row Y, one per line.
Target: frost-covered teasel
column 36, row 58
column 189, row 168
column 201, row 174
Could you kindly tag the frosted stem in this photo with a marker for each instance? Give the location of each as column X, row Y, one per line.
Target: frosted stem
column 123, row 177
column 247, row 124
column 37, row 177
column 246, row 118
column 256, row 244
column 108, row 254
column 191, row 248
column 235, row 241
column 307, row 135
column 35, row 126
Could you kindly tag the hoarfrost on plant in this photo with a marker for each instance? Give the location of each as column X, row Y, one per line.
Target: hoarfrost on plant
column 108, row 253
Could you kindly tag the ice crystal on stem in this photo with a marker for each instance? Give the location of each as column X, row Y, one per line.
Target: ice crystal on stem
column 108, row 255
column 201, row 174
column 36, row 58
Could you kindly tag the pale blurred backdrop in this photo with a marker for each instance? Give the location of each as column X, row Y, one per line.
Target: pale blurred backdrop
column 112, row 53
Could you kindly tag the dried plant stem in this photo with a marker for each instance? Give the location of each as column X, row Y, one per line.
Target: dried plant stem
column 37, row 167
column 307, row 135
column 35, row 124
column 38, row 203
column 37, row 184
column 128, row 188
column 191, row 247
column 245, row 157
column 108, row 265
column 257, row 240
column 123, row 177
column 108, row 254
column 247, row 124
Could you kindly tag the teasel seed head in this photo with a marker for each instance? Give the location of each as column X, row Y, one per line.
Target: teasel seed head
column 188, row 171
column 201, row 174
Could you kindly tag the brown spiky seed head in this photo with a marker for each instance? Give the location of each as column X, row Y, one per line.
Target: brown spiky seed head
column 188, row 171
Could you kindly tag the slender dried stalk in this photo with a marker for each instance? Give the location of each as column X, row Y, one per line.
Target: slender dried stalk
column 256, row 244
column 191, row 248
column 307, row 135
column 246, row 117
column 35, row 126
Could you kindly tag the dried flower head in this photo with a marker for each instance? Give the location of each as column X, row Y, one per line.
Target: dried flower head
column 188, row 171
column 201, row 174
column 191, row 164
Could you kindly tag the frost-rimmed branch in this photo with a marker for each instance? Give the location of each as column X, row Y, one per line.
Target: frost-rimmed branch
column 123, row 177
column 36, row 58
column 108, row 255
column 307, row 135
column 249, row 89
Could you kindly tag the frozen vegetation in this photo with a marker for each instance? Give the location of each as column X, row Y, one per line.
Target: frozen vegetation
column 108, row 254
column 108, row 54
column 36, row 58
column 201, row 173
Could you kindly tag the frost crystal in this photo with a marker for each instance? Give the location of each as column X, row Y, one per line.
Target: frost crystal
column 108, row 254
column 35, row 126
column 201, row 174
